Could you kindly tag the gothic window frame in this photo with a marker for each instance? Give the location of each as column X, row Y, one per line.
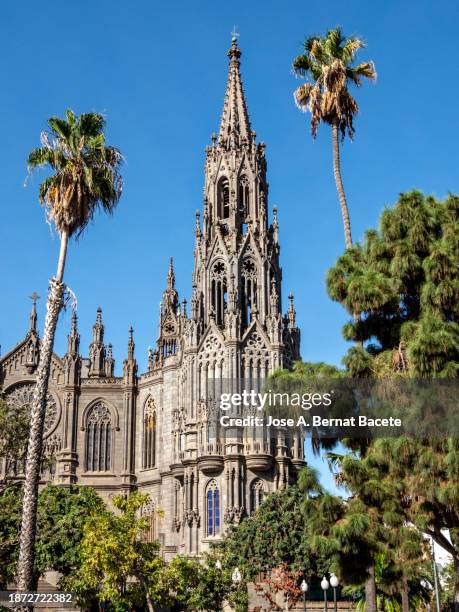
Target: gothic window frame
column 149, row 434
column 149, row 512
column 223, row 198
column 249, row 289
column 213, row 508
column 257, row 494
column 243, row 197
column 99, row 439
column 219, row 290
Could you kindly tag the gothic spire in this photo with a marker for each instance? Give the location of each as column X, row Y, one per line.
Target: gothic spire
column 291, row 312
column 98, row 328
column 74, row 336
column 235, row 123
column 33, row 313
column 130, row 364
column 171, row 275
column 97, row 347
column 131, row 345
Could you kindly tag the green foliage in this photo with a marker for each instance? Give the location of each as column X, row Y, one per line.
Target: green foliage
column 111, row 551
column 273, row 535
column 62, row 512
column 85, row 170
column 404, row 281
column 388, row 599
column 14, row 433
column 118, row 567
column 329, row 63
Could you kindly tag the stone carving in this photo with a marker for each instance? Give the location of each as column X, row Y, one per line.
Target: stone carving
column 22, row 395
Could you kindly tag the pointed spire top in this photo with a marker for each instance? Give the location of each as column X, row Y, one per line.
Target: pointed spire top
column 33, row 313
column 235, row 123
column 74, row 337
column 98, row 328
column 131, row 344
column 197, row 225
column 171, row 275
column 291, row 312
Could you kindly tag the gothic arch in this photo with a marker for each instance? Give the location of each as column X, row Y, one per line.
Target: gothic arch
column 218, row 290
column 243, row 195
column 256, row 357
column 110, row 406
column 149, row 512
column 20, row 394
column 99, row 438
column 249, row 290
column 213, row 508
column 257, row 494
column 149, row 433
column 223, row 198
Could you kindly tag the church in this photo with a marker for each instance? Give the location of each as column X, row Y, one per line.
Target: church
column 157, row 431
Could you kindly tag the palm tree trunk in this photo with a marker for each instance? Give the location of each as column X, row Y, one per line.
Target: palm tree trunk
column 342, row 201
column 370, row 591
column 25, row 580
column 340, row 188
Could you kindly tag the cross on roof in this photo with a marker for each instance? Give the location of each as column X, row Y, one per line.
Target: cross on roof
column 234, row 33
column 34, row 297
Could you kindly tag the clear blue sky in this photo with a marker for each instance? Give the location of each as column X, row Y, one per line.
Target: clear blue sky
column 158, row 72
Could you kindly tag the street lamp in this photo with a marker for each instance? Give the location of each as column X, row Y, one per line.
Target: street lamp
column 236, row 576
column 304, row 588
column 325, row 584
column 334, row 582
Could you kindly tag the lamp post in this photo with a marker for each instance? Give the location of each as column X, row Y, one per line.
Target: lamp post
column 304, row 588
column 325, row 585
column 334, row 583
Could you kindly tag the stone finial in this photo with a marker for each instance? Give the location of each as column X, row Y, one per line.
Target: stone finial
column 197, row 226
column 98, row 327
column 291, row 312
column 74, row 337
column 109, row 361
column 131, row 345
column 171, row 275
column 33, row 313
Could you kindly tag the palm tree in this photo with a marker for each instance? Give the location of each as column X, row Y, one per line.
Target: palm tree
column 85, row 177
column 328, row 61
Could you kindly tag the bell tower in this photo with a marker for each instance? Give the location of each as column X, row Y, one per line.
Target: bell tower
column 237, row 276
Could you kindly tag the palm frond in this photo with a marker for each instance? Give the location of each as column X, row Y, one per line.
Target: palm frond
column 92, row 124
column 333, row 41
column 40, row 157
column 85, row 171
column 60, row 127
column 350, row 48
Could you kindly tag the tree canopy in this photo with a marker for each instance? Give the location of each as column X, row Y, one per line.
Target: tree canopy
column 404, row 281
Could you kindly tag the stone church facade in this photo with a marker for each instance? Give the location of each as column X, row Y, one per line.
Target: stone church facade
column 157, row 431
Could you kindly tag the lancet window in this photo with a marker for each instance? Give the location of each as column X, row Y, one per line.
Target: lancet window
column 99, row 439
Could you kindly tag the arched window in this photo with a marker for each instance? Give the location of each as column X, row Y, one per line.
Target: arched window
column 244, row 196
column 213, row 509
column 249, row 291
column 223, row 199
column 149, row 434
column 219, row 292
column 99, row 439
column 148, row 512
column 256, row 495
